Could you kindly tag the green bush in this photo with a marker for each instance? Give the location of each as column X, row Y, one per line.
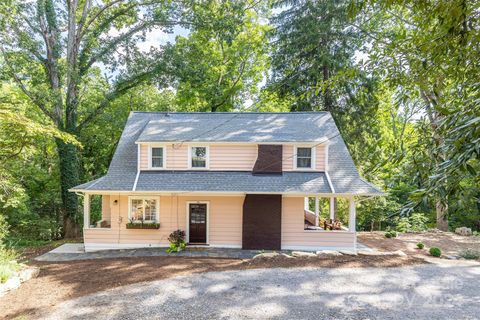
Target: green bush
column 436, row 252
column 420, row 245
column 37, row 228
column 391, row 234
column 177, row 241
column 8, row 264
column 470, row 254
column 414, row 223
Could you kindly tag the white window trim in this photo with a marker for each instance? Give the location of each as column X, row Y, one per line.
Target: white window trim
column 164, row 163
column 157, row 213
column 314, row 158
column 207, row 157
column 187, row 233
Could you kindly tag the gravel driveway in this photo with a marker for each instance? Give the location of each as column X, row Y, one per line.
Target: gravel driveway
column 426, row 291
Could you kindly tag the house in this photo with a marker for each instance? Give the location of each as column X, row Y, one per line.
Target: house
column 235, row 180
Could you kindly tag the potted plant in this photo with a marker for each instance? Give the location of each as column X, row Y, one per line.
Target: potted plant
column 177, row 241
column 140, row 224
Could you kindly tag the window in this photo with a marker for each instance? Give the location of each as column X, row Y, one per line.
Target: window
column 304, row 158
column 143, row 209
column 198, row 157
column 157, row 157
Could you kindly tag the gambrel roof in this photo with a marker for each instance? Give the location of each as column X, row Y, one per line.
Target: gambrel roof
column 246, row 127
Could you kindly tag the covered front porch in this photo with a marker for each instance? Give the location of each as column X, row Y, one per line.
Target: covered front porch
column 330, row 213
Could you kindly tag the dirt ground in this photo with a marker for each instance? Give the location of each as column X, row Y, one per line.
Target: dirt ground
column 450, row 243
column 58, row 282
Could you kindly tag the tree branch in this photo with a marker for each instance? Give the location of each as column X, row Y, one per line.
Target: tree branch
column 24, row 89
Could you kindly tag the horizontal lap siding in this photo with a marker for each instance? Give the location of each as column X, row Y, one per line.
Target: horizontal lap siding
column 294, row 235
column 233, row 157
column 143, row 156
column 177, row 157
column 225, row 222
column 227, row 157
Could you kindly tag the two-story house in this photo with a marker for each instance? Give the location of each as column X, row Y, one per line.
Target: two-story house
column 238, row 180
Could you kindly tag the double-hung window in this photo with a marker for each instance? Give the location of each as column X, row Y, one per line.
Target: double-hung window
column 304, row 158
column 199, row 157
column 157, row 157
column 144, row 210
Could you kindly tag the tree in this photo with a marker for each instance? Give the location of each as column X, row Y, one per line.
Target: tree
column 428, row 53
column 221, row 63
column 313, row 50
column 50, row 48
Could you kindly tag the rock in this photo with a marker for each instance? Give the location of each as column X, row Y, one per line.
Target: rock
column 348, row 253
column 399, row 253
column 29, row 273
column 266, row 255
column 329, row 253
column 286, row 255
column 299, row 254
column 368, row 253
column 451, row 257
column 463, row 231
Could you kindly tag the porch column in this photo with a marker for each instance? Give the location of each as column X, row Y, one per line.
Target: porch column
column 86, row 211
column 332, row 209
column 317, row 207
column 352, row 214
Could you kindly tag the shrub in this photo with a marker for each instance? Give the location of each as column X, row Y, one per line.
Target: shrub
column 470, row 254
column 403, row 225
column 8, row 264
column 177, row 241
column 391, row 234
column 420, row 245
column 436, row 252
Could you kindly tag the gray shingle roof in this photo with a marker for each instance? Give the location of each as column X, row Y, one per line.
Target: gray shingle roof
column 231, row 127
column 239, row 127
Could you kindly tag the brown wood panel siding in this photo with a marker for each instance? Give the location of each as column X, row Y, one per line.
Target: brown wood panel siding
column 262, row 222
column 269, row 159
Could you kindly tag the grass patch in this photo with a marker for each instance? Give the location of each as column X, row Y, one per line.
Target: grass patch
column 8, row 264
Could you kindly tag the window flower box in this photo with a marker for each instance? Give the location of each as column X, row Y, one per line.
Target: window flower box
column 150, row 225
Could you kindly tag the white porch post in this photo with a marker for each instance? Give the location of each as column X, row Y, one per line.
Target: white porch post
column 317, row 207
column 332, row 209
column 86, row 211
column 352, row 215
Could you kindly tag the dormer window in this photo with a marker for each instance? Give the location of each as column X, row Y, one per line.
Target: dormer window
column 198, row 157
column 304, row 158
column 157, row 157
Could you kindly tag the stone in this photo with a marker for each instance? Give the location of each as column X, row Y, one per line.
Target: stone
column 29, row 273
column 463, row 231
column 399, row 253
column 328, row 253
column 286, row 255
column 266, row 255
column 451, row 257
column 368, row 253
column 299, row 254
column 348, row 253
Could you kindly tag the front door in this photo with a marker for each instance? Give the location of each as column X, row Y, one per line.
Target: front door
column 197, row 222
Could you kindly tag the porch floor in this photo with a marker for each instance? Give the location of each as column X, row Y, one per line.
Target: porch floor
column 75, row 251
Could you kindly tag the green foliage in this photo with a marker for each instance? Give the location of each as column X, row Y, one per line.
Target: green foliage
column 177, row 241
column 414, row 223
column 420, row 245
column 436, row 252
column 391, row 234
column 8, row 263
column 470, row 254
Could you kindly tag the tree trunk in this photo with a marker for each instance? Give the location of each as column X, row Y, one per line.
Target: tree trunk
column 68, row 158
column 442, row 220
